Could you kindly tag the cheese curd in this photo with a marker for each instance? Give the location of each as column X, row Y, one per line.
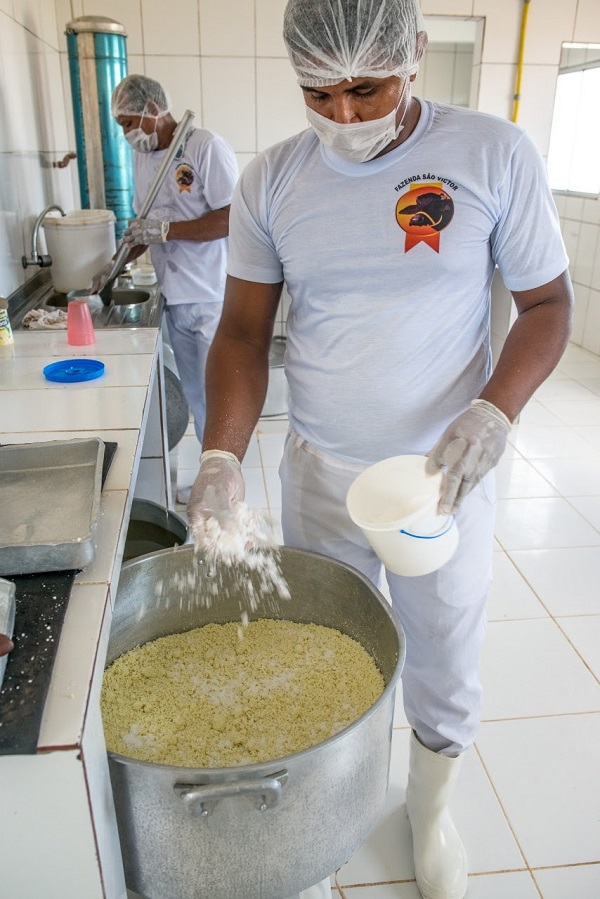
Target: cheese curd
column 222, row 695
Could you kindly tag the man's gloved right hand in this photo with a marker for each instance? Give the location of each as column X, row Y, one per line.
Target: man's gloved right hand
column 470, row 446
column 218, row 490
column 101, row 277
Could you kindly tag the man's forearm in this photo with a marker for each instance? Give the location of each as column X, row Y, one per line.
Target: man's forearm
column 533, row 347
column 236, row 386
column 212, row 226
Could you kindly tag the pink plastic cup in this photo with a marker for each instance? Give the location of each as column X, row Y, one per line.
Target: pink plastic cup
column 80, row 330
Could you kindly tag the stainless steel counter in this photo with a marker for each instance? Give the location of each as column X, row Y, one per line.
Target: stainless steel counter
column 139, row 307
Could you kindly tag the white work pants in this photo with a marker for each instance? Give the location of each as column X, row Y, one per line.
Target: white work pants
column 192, row 328
column 442, row 614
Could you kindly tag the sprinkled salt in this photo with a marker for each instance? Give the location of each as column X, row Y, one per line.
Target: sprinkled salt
column 249, row 550
column 244, row 563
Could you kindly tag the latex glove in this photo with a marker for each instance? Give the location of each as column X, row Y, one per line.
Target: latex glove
column 469, row 447
column 101, row 277
column 142, row 232
column 218, row 491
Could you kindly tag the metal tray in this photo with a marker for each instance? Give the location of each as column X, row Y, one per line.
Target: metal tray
column 50, row 503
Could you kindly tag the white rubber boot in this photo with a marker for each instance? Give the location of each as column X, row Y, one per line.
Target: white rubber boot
column 320, row 890
column 439, row 855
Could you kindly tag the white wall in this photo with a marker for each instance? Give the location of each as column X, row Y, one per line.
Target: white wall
column 33, row 130
column 225, row 59
column 445, row 73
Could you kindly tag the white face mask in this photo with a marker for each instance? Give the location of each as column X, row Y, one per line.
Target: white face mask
column 358, row 141
column 142, row 142
column 139, row 140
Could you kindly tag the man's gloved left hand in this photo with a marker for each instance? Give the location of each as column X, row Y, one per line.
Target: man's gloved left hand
column 142, row 232
column 469, row 447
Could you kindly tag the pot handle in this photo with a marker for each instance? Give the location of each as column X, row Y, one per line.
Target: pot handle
column 201, row 799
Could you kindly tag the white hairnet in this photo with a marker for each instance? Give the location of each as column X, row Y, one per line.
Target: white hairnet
column 132, row 95
column 335, row 40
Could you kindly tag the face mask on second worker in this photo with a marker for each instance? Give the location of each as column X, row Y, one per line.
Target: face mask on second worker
column 140, row 141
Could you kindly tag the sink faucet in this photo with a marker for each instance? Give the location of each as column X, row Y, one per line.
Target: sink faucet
column 35, row 258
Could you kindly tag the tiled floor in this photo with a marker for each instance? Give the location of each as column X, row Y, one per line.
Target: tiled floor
column 528, row 803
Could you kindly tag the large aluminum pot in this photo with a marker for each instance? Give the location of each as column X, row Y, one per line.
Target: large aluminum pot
column 269, row 830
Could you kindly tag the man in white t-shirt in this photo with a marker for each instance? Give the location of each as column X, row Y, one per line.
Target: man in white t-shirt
column 186, row 228
column 386, row 220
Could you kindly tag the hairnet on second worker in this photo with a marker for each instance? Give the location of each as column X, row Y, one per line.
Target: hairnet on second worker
column 335, row 40
column 132, row 95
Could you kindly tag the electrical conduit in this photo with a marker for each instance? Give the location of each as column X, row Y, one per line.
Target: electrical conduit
column 517, row 95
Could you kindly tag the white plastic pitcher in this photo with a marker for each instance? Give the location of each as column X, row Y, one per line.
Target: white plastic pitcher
column 80, row 244
column 394, row 502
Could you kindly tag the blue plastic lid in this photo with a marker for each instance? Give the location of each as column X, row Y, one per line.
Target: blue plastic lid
column 67, row 371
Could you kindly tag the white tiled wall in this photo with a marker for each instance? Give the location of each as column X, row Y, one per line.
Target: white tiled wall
column 580, row 219
column 226, row 61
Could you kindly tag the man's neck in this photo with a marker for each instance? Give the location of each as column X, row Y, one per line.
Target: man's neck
column 410, row 123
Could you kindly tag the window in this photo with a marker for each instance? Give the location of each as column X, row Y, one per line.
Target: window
column 574, row 153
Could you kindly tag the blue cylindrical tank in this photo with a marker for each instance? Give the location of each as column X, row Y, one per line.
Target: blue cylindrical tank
column 97, row 50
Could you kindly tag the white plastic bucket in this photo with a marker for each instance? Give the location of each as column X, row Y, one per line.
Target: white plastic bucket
column 395, row 504
column 80, row 243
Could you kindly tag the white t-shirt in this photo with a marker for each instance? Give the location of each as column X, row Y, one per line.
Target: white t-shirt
column 388, row 264
column 199, row 180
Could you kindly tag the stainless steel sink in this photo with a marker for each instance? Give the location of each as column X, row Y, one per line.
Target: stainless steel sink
column 130, row 307
column 122, row 297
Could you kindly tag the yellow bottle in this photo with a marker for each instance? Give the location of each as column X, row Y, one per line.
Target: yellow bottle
column 6, row 334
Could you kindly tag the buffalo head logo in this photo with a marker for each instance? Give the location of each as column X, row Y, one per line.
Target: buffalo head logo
column 423, row 212
column 431, row 210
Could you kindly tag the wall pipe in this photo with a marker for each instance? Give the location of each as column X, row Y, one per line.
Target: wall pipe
column 517, row 95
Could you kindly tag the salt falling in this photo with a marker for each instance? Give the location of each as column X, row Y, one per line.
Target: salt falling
column 244, row 563
column 248, row 552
